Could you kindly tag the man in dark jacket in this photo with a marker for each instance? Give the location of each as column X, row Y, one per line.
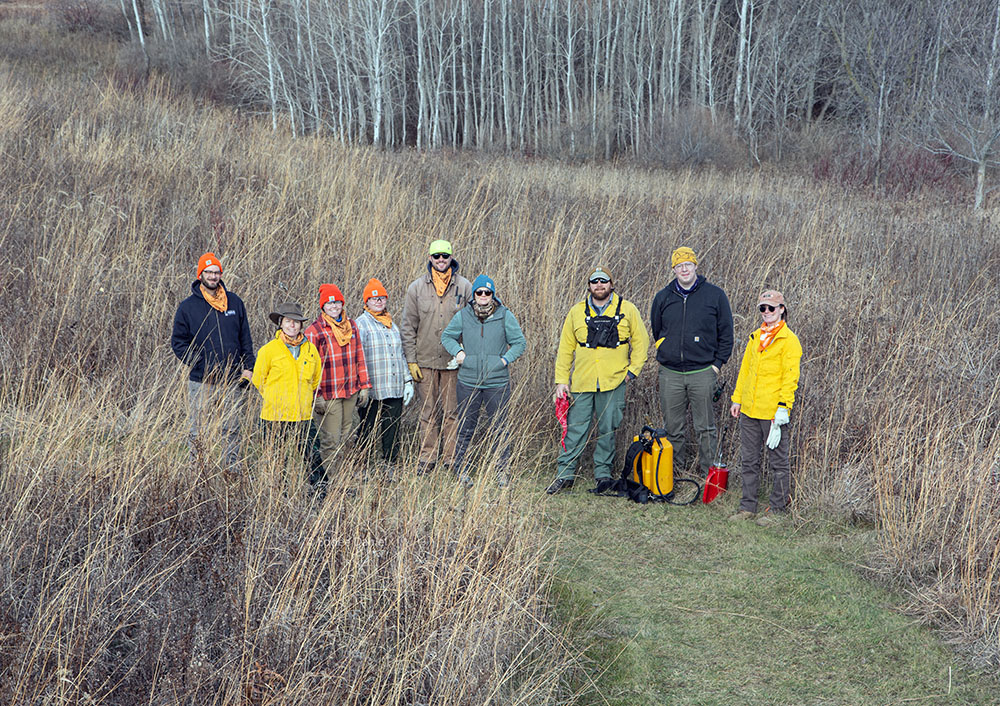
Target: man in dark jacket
column 693, row 329
column 212, row 335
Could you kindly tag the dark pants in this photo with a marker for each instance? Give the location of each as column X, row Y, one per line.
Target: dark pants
column 380, row 426
column 495, row 401
column 303, row 436
column 753, row 434
column 678, row 392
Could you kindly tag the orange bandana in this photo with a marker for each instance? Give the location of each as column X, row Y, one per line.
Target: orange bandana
column 217, row 299
column 341, row 329
column 441, row 281
column 382, row 318
column 297, row 341
column 767, row 334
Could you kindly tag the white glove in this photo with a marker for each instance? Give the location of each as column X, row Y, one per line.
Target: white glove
column 407, row 393
column 452, row 364
column 781, row 416
column 774, row 437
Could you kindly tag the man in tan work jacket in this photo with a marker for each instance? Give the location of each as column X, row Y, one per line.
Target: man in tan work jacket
column 431, row 301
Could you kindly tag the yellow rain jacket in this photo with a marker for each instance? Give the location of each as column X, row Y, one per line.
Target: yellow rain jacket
column 286, row 384
column 769, row 377
column 603, row 367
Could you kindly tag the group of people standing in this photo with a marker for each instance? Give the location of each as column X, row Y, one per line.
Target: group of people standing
column 604, row 346
column 456, row 340
column 321, row 383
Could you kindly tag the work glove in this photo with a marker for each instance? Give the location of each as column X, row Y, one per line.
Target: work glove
column 415, row 372
column 407, row 393
column 452, row 364
column 781, row 416
column 774, row 437
column 363, row 396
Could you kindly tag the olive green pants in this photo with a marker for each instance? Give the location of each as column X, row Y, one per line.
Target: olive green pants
column 607, row 408
column 678, row 392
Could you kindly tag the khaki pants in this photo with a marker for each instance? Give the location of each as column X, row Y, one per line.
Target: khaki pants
column 334, row 421
column 438, row 415
column 222, row 404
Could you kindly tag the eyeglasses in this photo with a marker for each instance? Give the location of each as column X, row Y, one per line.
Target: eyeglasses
column 440, row 255
column 766, row 307
column 483, row 293
column 600, row 280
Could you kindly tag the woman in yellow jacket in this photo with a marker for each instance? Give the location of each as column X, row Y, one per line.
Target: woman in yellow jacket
column 762, row 401
column 287, row 373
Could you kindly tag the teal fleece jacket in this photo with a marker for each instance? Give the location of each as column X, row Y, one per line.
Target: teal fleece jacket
column 484, row 343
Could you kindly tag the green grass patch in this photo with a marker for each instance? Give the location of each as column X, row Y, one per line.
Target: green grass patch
column 682, row 606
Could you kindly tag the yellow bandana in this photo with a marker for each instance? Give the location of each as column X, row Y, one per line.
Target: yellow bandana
column 441, row 281
column 217, row 299
column 382, row 318
column 341, row 329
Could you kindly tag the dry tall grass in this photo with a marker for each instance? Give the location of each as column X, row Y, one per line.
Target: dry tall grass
column 127, row 576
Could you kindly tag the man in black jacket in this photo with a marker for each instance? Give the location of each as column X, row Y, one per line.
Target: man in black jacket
column 212, row 335
column 693, row 329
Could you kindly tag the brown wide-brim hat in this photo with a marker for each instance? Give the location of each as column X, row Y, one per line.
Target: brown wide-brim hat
column 288, row 310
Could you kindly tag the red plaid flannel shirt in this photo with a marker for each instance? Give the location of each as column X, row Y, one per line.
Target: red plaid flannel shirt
column 344, row 369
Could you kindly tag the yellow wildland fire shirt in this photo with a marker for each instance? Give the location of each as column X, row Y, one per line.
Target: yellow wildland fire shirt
column 287, row 384
column 768, row 377
column 601, row 368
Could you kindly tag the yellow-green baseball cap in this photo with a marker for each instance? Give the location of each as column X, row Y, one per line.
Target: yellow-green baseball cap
column 439, row 246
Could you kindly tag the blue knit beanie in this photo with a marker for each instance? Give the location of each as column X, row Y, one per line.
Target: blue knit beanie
column 484, row 282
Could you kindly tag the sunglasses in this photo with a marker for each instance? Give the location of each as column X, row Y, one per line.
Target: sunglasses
column 766, row 307
column 483, row 293
column 599, row 280
column 440, row 255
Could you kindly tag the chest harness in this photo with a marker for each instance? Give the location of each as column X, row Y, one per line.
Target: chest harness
column 602, row 331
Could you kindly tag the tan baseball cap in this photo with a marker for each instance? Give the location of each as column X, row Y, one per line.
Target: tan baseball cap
column 772, row 297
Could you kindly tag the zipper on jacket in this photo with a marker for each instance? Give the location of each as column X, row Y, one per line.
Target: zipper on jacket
column 684, row 313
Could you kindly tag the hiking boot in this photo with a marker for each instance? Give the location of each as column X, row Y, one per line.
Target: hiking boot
column 604, row 485
column 559, row 485
column 742, row 515
column 772, row 519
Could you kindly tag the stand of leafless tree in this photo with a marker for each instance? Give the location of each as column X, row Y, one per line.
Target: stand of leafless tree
column 596, row 78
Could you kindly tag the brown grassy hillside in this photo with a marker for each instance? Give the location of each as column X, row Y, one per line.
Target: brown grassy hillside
column 126, row 572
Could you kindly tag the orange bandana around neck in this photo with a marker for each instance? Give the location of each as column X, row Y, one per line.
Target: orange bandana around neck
column 767, row 334
column 341, row 329
column 217, row 299
column 297, row 341
column 384, row 318
column 441, row 281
